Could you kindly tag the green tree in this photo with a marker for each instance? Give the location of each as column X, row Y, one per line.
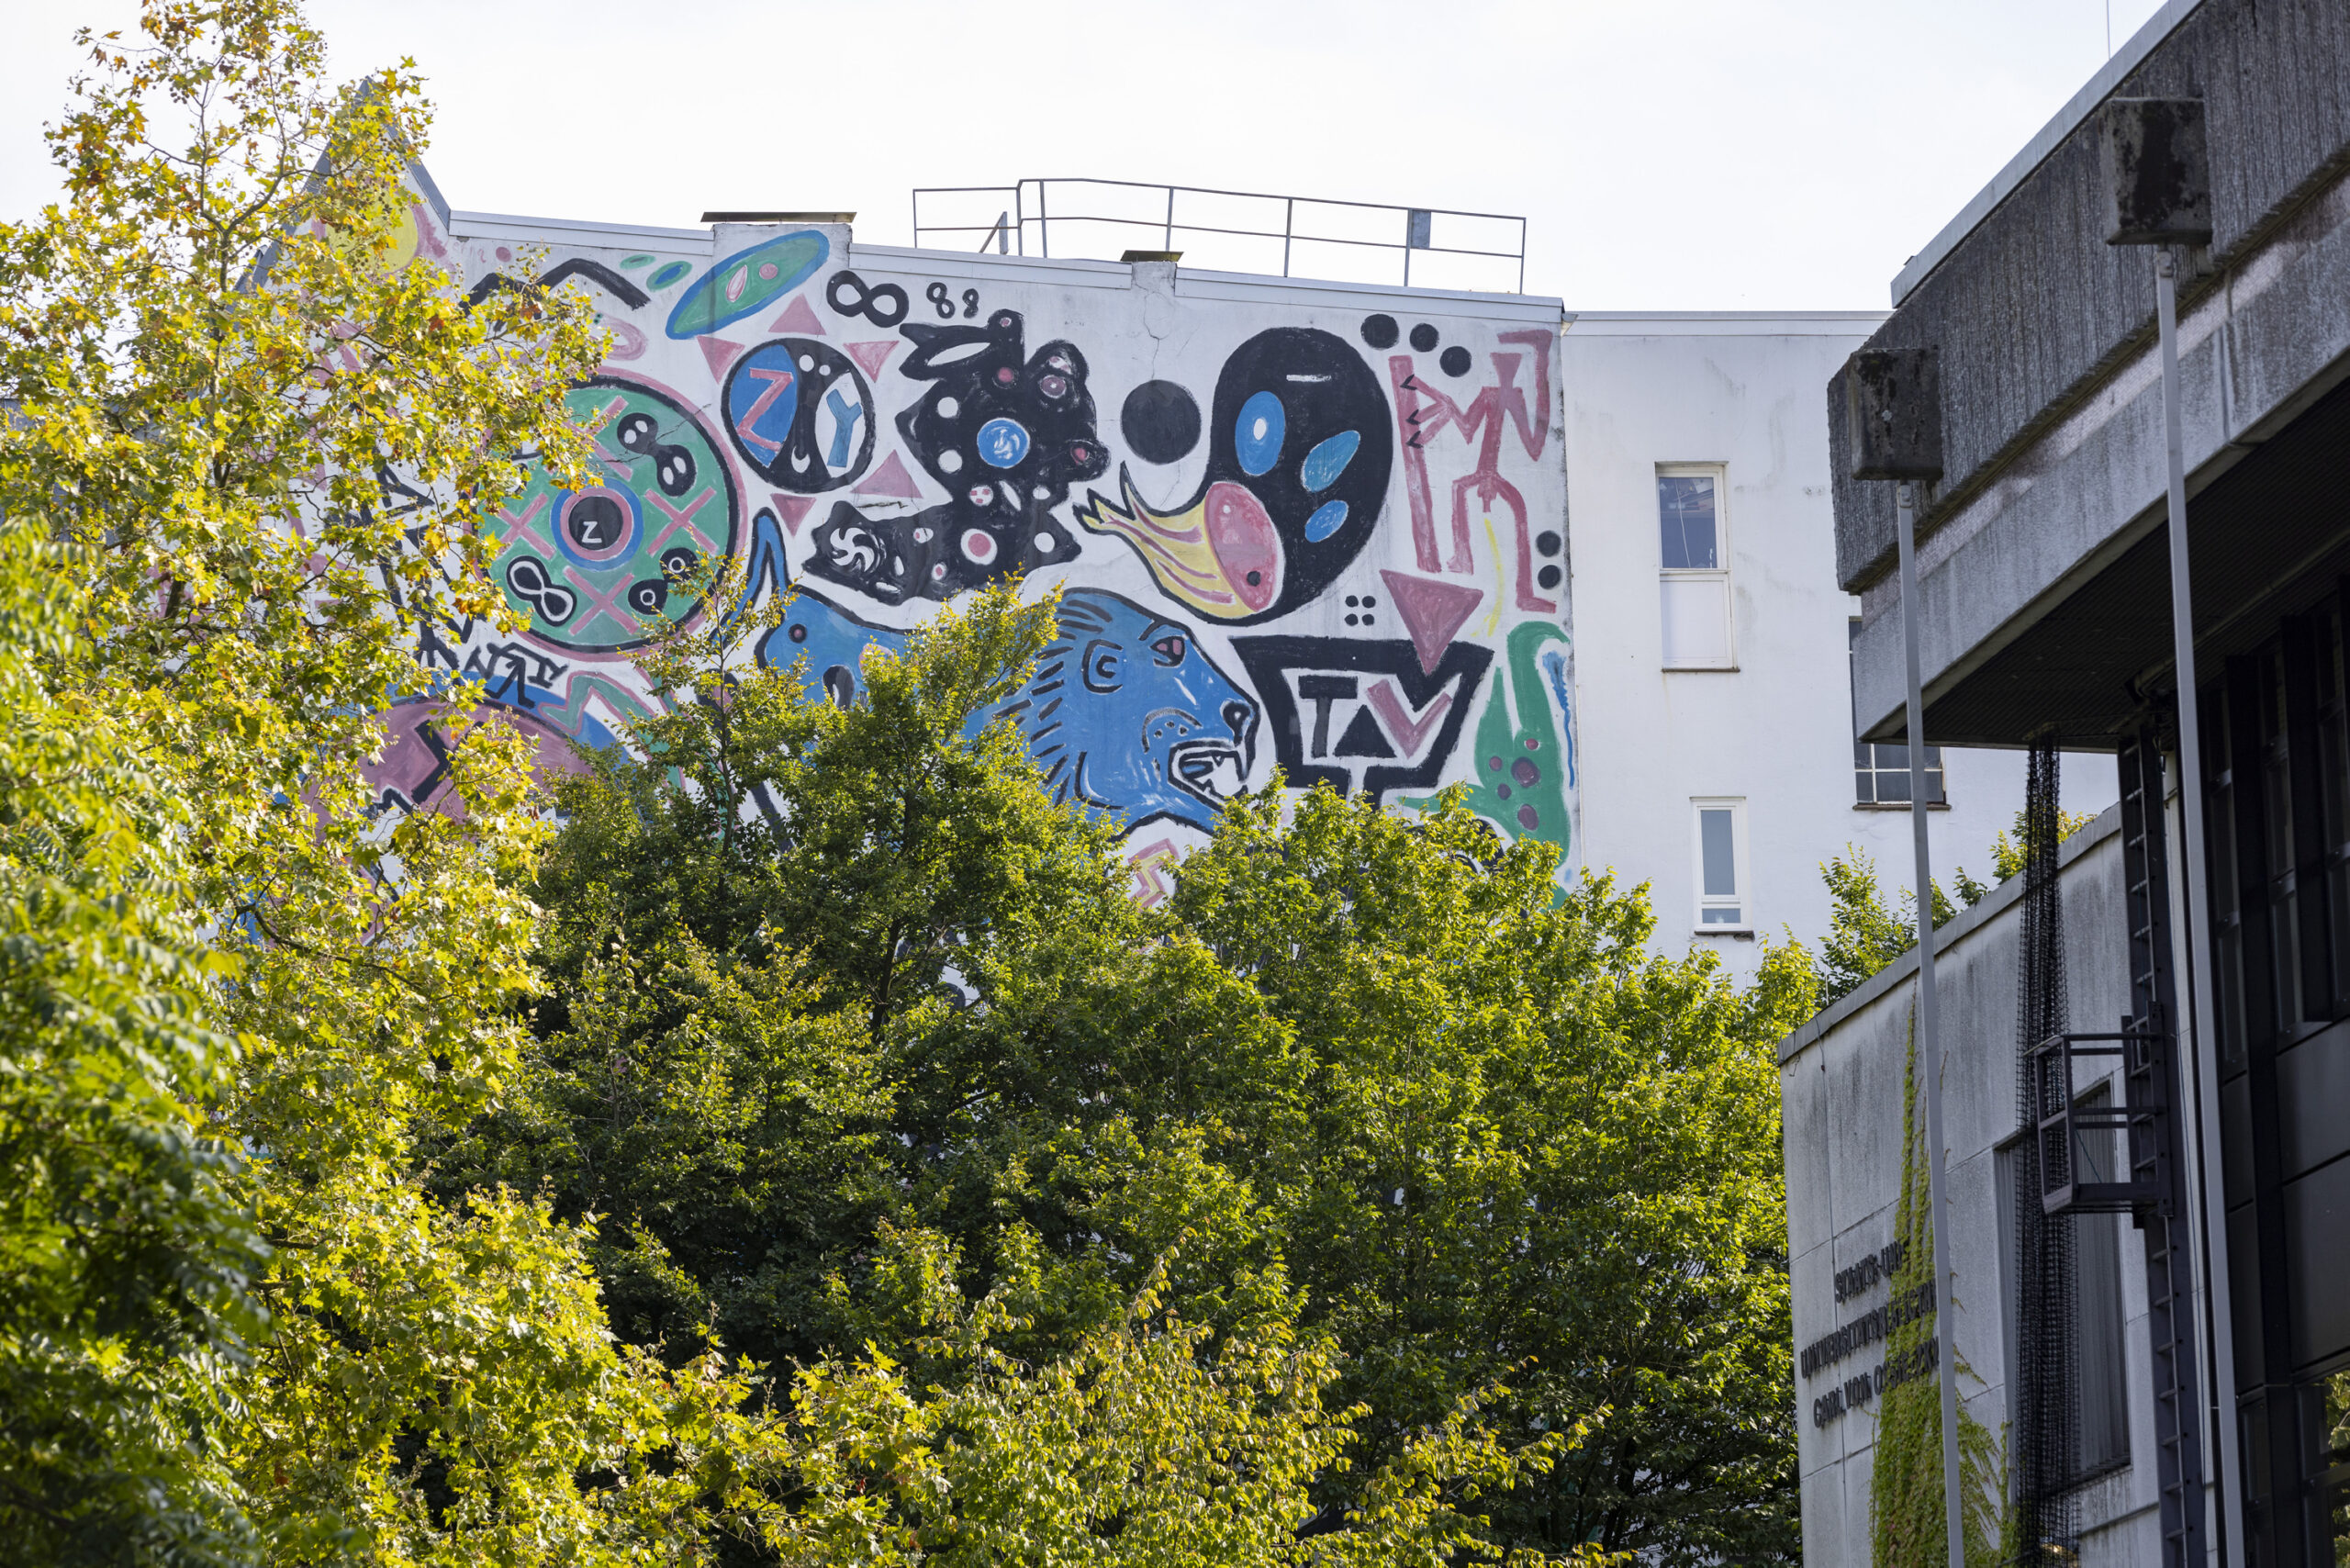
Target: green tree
column 1863, row 935
column 1368, row 1072
column 211, row 347
column 1151, row 1442
column 126, row 1258
column 1510, row 1135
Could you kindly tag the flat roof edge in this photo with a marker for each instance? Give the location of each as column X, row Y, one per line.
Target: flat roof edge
column 1959, row 927
column 462, row 219
column 2017, row 169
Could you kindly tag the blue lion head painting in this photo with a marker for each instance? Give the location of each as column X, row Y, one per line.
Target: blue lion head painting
column 1124, row 712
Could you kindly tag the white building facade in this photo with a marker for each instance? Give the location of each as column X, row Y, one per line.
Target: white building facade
column 1711, row 639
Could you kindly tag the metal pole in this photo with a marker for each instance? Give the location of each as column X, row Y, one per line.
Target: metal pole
column 2199, row 934
column 1928, row 1026
column 1168, row 243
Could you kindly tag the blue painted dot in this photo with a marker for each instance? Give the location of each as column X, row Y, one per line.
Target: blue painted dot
column 1257, row 433
column 1327, row 462
column 1002, row 443
column 1327, row 519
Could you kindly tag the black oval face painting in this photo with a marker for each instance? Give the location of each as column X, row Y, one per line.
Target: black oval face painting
column 1299, row 451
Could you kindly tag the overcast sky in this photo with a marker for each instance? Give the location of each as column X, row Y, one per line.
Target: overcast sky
column 1684, row 155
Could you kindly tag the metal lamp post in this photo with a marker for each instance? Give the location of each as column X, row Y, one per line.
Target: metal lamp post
column 2158, row 182
column 1893, row 401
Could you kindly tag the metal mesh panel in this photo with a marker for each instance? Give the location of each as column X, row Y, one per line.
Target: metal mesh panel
column 2047, row 1413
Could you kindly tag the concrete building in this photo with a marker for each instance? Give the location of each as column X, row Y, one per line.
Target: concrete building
column 2153, row 1307
column 1390, row 538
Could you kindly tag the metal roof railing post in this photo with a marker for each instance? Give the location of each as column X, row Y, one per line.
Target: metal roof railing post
column 1289, row 226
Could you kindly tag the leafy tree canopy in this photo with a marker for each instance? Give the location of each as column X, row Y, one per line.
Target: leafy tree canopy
column 823, row 977
column 252, row 1030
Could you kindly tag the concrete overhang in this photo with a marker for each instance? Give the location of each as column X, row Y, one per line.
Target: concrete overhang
column 2043, row 594
column 2043, row 598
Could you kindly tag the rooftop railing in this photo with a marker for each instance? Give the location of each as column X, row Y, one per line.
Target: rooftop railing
column 1231, row 230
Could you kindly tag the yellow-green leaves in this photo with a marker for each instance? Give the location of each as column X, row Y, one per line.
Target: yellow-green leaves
column 255, row 435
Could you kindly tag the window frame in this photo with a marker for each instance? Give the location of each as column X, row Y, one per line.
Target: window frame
column 1866, row 757
column 1742, row 869
column 1718, row 575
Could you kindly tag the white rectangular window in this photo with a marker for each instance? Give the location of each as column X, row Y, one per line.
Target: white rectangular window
column 1693, row 557
column 1723, row 895
column 1881, row 773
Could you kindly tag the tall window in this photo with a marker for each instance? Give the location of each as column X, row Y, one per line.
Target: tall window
column 1694, row 558
column 1723, row 896
column 2104, row 1432
column 1881, row 773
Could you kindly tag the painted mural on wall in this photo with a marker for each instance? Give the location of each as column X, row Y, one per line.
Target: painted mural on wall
column 1299, row 535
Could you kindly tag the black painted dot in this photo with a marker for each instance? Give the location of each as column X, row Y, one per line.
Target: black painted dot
column 1353, row 601
column 1352, row 620
column 1425, row 337
column 1370, row 620
column 1525, row 772
column 1379, row 331
column 1455, row 361
column 1546, row 543
column 1547, row 576
column 800, row 633
column 1255, row 579
column 1161, row 421
column 1370, row 602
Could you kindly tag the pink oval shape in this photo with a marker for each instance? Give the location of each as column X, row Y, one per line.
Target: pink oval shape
column 1243, row 541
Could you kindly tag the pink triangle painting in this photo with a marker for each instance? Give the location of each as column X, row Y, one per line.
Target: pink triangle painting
column 797, row 317
column 870, row 357
column 1432, row 612
column 718, row 353
column 892, row 479
column 793, row 509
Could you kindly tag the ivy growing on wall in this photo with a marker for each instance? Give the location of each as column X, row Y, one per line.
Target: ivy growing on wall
column 1905, row 1525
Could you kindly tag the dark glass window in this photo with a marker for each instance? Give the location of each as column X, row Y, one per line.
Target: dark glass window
column 1685, row 515
column 2276, row 781
column 2104, row 1432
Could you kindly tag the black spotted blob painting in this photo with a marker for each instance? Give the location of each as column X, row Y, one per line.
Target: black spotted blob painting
column 1005, row 433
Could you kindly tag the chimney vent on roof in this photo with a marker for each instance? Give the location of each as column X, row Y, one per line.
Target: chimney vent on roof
column 778, row 217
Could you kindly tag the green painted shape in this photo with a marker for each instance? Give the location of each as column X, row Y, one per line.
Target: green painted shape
column 670, row 274
column 748, row 281
column 635, row 261
column 600, row 618
column 1497, row 788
